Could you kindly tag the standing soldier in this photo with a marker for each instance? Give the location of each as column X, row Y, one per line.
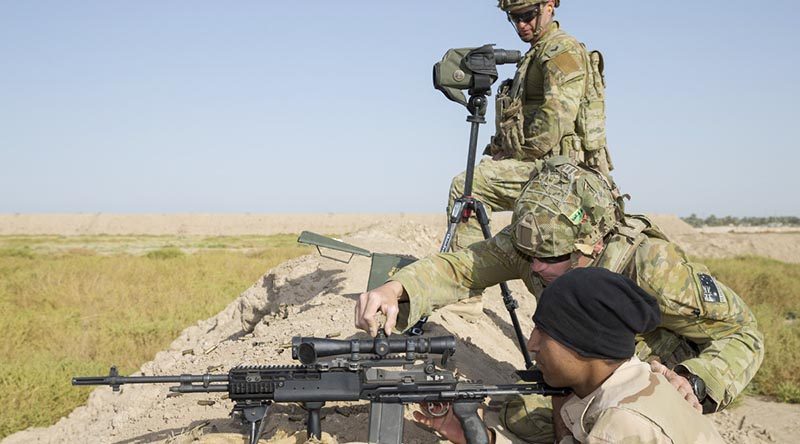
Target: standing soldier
column 553, row 106
column 707, row 345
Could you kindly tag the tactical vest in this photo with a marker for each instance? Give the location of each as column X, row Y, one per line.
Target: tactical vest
column 587, row 144
column 619, row 257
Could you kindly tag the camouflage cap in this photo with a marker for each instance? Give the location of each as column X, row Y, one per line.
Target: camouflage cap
column 564, row 208
column 514, row 5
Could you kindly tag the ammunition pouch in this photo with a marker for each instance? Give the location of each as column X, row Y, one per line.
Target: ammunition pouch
column 570, row 146
column 509, row 123
column 590, row 124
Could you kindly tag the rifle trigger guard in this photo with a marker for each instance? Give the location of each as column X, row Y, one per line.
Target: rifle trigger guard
column 435, row 409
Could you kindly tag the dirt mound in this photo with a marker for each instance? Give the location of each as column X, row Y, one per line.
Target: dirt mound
column 313, row 296
column 671, row 224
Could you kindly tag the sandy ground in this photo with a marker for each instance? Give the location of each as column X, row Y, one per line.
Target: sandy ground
column 313, row 296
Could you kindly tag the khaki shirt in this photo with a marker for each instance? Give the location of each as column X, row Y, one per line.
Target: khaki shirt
column 636, row 405
column 728, row 347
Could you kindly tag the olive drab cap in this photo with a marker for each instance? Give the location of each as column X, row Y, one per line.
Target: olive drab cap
column 564, row 208
column 515, row 5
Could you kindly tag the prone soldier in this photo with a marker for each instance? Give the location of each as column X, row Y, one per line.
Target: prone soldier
column 617, row 397
column 708, row 343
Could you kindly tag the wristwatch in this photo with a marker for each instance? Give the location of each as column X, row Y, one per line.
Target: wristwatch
column 697, row 383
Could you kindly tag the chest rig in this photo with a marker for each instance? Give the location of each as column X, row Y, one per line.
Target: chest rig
column 587, row 143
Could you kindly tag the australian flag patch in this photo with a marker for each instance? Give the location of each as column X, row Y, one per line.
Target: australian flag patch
column 711, row 291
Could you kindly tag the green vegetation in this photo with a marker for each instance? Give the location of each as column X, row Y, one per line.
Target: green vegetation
column 771, row 289
column 714, row 221
column 72, row 306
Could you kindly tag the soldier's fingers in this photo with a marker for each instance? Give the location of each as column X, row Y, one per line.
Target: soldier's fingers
column 371, row 309
column 391, row 312
column 422, row 419
column 359, row 311
column 658, row 367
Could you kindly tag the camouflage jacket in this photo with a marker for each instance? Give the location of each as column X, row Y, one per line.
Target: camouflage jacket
column 715, row 336
column 551, row 88
column 636, row 405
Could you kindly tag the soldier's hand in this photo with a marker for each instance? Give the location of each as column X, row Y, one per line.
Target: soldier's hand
column 440, row 417
column 679, row 382
column 383, row 299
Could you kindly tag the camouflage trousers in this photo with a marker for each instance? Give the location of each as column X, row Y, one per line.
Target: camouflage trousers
column 530, row 418
column 497, row 184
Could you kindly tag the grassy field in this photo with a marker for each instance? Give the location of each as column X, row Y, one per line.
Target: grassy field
column 69, row 305
column 772, row 289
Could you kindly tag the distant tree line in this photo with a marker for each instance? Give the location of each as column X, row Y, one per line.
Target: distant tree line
column 714, row 221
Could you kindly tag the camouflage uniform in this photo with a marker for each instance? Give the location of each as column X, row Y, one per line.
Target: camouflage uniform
column 706, row 327
column 550, row 83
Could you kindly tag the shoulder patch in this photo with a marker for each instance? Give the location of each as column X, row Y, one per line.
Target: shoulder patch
column 711, row 291
column 566, row 63
column 554, row 50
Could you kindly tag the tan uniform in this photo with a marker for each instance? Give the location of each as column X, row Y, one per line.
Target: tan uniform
column 553, row 81
column 638, row 406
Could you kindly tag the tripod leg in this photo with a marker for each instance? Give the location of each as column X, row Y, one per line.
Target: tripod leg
column 509, row 301
column 452, row 224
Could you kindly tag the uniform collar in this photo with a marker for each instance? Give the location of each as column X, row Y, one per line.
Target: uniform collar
column 551, row 29
column 580, row 414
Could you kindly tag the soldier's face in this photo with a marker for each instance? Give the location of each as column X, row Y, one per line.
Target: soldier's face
column 560, row 366
column 524, row 21
column 549, row 270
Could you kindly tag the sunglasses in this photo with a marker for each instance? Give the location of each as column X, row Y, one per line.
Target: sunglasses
column 554, row 259
column 524, row 17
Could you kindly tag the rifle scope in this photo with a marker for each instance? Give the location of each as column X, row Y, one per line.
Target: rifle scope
column 308, row 350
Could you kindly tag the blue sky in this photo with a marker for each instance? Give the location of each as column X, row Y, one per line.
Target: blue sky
column 321, row 106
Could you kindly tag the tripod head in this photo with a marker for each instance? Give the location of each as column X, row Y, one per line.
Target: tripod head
column 471, row 69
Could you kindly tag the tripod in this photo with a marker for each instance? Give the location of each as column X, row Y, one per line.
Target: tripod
column 466, row 205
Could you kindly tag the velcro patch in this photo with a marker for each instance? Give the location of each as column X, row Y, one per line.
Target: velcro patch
column 566, row 63
column 711, row 291
column 577, row 216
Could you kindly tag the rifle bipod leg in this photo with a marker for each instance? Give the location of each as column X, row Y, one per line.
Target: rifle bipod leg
column 254, row 415
column 314, row 425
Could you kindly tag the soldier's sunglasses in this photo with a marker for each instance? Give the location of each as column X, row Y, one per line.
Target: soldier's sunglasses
column 523, row 17
column 554, row 259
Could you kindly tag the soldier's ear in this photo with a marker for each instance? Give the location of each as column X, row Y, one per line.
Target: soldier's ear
column 598, row 247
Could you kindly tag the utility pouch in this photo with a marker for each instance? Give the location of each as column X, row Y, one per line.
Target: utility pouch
column 591, row 122
column 571, row 146
column 509, row 120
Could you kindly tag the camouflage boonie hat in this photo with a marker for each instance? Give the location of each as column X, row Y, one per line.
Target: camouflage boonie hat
column 514, row 5
column 564, row 208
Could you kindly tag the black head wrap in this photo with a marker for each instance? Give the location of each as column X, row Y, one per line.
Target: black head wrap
column 596, row 312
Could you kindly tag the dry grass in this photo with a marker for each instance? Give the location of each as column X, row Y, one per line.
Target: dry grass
column 772, row 289
column 69, row 307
